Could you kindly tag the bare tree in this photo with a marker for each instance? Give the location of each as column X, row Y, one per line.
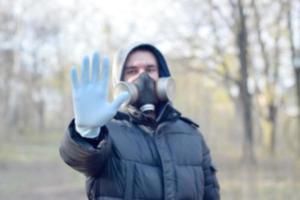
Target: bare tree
column 229, row 76
column 232, row 31
column 245, row 97
column 271, row 66
column 238, row 27
column 294, row 51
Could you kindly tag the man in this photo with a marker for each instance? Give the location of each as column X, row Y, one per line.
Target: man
column 138, row 146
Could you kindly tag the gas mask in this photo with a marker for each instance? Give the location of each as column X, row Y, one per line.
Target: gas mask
column 146, row 93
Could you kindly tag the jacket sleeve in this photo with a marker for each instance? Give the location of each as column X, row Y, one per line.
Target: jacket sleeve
column 85, row 155
column 211, row 188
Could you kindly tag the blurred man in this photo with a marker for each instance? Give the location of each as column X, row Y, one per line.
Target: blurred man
column 137, row 146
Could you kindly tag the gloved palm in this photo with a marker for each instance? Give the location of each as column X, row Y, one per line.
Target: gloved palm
column 90, row 95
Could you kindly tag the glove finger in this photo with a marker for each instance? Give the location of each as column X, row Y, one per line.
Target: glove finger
column 105, row 74
column 85, row 70
column 95, row 70
column 74, row 78
column 122, row 98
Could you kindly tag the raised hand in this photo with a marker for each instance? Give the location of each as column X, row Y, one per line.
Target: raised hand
column 90, row 94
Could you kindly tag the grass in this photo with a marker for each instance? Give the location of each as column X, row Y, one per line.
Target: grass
column 31, row 168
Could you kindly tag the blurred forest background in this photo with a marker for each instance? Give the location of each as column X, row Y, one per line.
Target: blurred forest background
column 236, row 64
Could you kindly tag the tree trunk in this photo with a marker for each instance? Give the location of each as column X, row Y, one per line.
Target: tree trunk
column 245, row 96
column 295, row 57
column 297, row 77
column 273, row 123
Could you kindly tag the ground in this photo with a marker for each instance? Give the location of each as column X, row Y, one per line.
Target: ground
column 31, row 169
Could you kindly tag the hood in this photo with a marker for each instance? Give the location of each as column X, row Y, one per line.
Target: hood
column 121, row 57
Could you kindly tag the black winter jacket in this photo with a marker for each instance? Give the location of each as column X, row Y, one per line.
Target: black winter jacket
column 138, row 158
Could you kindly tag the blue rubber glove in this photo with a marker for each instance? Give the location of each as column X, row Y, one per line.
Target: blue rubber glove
column 90, row 97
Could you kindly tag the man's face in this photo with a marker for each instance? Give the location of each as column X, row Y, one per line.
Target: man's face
column 138, row 62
